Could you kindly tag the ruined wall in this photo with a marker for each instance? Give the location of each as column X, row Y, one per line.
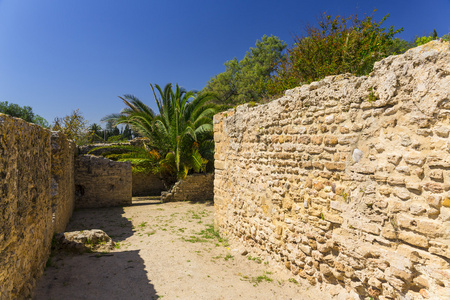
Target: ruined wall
column 101, row 182
column 37, row 197
column 62, row 180
column 195, row 187
column 147, row 185
column 25, row 205
column 347, row 180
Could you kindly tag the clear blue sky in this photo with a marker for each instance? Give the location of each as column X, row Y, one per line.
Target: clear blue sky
column 59, row 55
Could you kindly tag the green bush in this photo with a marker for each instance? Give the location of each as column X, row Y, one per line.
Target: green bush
column 338, row 45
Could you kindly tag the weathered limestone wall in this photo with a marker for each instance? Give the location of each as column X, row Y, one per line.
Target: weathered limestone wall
column 147, row 185
column 195, row 187
column 62, row 180
column 347, row 180
column 25, row 206
column 37, row 197
column 101, row 182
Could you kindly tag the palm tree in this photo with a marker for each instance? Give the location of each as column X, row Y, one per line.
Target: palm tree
column 95, row 133
column 184, row 122
column 182, row 131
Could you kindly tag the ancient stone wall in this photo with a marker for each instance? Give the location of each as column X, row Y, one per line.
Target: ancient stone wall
column 346, row 181
column 195, row 187
column 37, row 197
column 25, row 205
column 101, row 182
column 147, row 185
column 62, row 180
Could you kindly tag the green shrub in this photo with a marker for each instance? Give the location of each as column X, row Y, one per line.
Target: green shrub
column 338, row 45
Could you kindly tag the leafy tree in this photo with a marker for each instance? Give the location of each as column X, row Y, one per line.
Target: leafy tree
column 40, row 121
column 26, row 113
column 338, row 45
column 399, row 46
column 181, row 134
column 246, row 80
column 127, row 133
column 74, row 126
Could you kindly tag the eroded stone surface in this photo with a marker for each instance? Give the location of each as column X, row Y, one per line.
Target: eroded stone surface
column 101, row 182
column 195, row 187
column 286, row 184
column 94, row 240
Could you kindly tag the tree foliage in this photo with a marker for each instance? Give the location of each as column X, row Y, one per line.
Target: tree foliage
column 337, row 45
column 26, row 113
column 399, row 46
column 246, row 80
column 181, row 134
column 74, row 126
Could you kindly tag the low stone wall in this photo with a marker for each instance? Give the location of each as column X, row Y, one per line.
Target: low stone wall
column 147, row 185
column 26, row 216
column 104, row 148
column 346, row 181
column 101, row 182
column 195, row 187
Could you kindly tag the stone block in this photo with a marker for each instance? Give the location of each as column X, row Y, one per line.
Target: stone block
column 437, row 162
column 330, row 140
column 335, row 166
column 437, row 175
column 333, row 218
column 413, row 239
column 433, row 187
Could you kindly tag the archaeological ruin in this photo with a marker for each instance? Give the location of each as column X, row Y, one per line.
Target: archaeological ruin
column 342, row 182
column 346, row 181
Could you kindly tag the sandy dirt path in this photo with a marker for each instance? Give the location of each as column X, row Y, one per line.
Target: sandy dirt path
column 164, row 251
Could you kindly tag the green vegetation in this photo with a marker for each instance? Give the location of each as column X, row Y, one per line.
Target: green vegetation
column 246, row 80
column 421, row 40
column 180, row 137
column 338, row 45
column 74, row 126
column 257, row 259
column 206, row 235
column 111, row 134
column 26, row 113
column 293, row 280
column 372, row 97
column 228, row 257
column 257, row 280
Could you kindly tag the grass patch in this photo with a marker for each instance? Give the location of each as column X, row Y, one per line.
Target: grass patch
column 257, row 259
column 228, row 257
column 206, row 235
column 293, row 280
column 194, row 239
column 257, row 280
column 143, row 224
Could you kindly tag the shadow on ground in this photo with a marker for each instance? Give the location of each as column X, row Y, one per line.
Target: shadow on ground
column 115, row 275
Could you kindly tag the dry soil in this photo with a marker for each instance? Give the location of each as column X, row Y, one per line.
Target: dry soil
column 164, row 250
